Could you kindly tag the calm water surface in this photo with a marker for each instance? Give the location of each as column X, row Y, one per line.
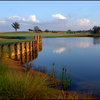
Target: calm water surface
column 80, row 55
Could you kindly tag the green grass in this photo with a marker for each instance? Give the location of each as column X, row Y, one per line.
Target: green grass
column 26, row 85
column 16, row 85
column 10, row 41
column 43, row 34
column 11, row 37
column 14, row 32
column 22, row 86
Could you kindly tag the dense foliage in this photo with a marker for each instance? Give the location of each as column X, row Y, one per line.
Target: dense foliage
column 16, row 25
column 96, row 30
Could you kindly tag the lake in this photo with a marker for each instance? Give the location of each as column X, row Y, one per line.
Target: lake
column 80, row 55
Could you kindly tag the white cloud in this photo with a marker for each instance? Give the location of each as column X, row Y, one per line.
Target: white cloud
column 2, row 21
column 59, row 22
column 84, row 22
column 59, row 16
column 14, row 18
column 18, row 18
column 33, row 18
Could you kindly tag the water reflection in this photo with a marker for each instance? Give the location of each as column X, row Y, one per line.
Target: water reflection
column 31, row 55
column 79, row 55
column 83, row 44
column 96, row 40
column 59, row 50
column 62, row 45
column 23, row 52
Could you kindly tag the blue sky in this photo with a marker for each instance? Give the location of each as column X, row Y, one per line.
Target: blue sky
column 52, row 15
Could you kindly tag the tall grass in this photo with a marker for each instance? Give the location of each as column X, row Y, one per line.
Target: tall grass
column 25, row 85
column 22, row 86
column 64, row 79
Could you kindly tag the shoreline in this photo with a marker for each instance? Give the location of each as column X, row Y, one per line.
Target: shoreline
column 12, row 39
column 15, row 66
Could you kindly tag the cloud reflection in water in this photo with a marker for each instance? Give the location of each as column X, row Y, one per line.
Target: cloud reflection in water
column 63, row 44
column 59, row 50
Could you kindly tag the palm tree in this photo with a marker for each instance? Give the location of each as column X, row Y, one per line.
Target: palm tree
column 16, row 26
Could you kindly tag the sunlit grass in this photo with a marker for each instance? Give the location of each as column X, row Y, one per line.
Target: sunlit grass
column 22, row 86
column 26, row 85
column 11, row 37
column 9, row 41
column 17, row 85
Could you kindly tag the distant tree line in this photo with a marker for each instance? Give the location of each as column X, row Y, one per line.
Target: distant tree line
column 36, row 29
column 94, row 30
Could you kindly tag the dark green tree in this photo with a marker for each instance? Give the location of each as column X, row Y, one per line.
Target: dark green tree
column 96, row 29
column 36, row 29
column 30, row 30
column 46, row 30
column 16, row 26
column 69, row 31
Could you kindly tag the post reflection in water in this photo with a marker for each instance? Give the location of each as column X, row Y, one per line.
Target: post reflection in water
column 24, row 51
column 31, row 54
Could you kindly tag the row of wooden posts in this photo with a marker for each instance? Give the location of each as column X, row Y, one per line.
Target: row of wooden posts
column 24, row 51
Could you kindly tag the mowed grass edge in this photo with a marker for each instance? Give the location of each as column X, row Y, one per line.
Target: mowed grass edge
column 12, row 37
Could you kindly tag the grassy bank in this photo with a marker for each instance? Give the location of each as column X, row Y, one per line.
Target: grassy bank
column 11, row 37
column 22, row 86
column 17, row 83
column 43, row 34
column 9, row 41
column 25, row 37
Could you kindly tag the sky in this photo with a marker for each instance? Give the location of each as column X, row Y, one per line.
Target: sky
column 51, row 15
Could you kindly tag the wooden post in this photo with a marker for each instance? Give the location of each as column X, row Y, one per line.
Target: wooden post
column 27, row 46
column 12, row 51
column 23, row 47
column 24, row 51
column 18, row 51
